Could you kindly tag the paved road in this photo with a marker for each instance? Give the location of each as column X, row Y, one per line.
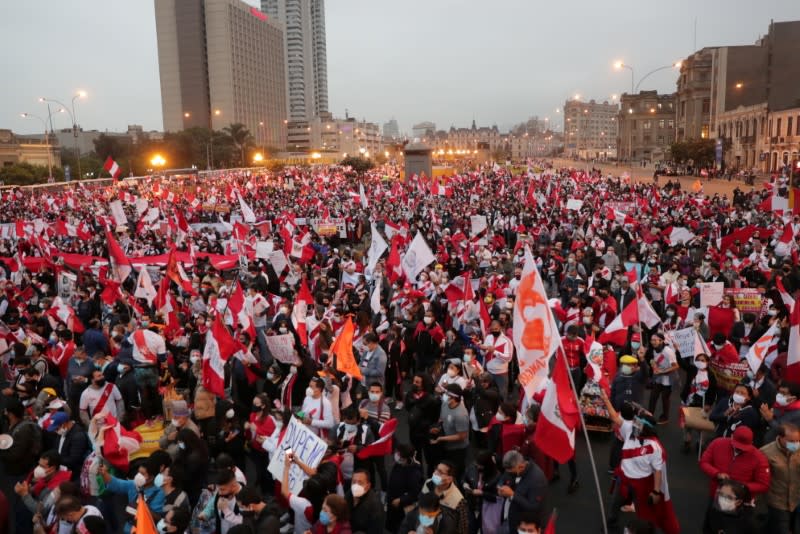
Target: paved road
column 645, row 175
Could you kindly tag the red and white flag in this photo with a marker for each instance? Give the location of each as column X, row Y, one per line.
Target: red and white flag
column 619, row 217
column 303, row 300
column 220, row 346
column 616, row 333
column 765, row 349
column 647, row 315
column 120, row 264
column 535, row 331
column 112, row 168
column 555, row 430
column 144, row 287
column 382, row 446
column 239, row 310
column 60, row 311
column 114, row 442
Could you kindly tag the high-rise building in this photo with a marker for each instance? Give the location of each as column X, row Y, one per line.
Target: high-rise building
column 391, row 129
column 306, row 55
column 221, row 62
column 590, row 128
column 646, row 127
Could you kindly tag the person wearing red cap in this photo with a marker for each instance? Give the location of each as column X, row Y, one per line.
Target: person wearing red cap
column 738, row 459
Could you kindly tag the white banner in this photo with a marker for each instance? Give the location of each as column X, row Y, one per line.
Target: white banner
column 711, row 293
column 417, row 257
column 574, row 204
column 278, row 260
column 305, row 446
column 282, row 348
column 376, row 249
column 477, row 224
column 683, row 341
column 264, row 249
column 66, row 285
column 118, row 212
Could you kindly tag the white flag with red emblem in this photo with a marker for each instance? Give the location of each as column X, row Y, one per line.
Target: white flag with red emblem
column 220, row 346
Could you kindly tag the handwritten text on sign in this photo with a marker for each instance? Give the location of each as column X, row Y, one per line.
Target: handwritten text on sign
column 305, row 446
column 282, row 348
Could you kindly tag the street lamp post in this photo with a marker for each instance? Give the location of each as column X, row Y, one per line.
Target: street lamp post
column 621, row 65
column 79, row 94
column 46, row 140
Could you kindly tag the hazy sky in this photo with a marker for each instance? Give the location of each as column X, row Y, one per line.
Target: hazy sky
column 446, row 61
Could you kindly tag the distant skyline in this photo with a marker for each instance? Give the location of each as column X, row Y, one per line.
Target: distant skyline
column 446, row 61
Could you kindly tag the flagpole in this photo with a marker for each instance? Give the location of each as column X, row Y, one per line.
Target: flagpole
column 563, row 355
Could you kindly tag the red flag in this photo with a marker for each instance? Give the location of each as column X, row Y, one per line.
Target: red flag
column 383, row 446
column 300, row 311
column 220, row 345
column 120, row 264
column 555, row 430
column 236, row 303
column 616, row 333
column 393, row 269
column 176, row 273
column 720, row 320
column 551, row 525
column 112, row 168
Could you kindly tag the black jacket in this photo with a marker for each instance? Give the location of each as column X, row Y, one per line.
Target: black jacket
column 423, row 413
column 367, row 516
column 737, row 334
column 266, row 522
column 471, row 481
column 23, row 454
column 75, row 449
column 717, row 521
column 530, row 495
column 405, row 483
column 486, row 403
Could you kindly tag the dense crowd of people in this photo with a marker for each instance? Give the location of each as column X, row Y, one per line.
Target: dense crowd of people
column 164, row 339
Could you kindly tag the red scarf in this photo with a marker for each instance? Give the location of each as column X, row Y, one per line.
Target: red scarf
column 51, row 483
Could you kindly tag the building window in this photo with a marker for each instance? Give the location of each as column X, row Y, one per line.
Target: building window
column 671, row 124
column 683, row 109
column 778, row 127
column 660, row 139
column 789, row 127
column 661, row 123
column 770, row 127
column 647, row 124
column 797, row 131
column 706, row 105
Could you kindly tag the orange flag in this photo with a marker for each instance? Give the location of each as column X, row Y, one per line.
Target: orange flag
column 144, row 520
column 697, row 186
column 343, row 349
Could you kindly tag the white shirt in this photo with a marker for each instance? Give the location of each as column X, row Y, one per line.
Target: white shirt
column 320, row 412
column 664, row 360
column 91, row 396
column 502, row 354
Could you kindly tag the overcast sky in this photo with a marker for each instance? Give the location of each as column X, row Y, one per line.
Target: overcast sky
column 446, row 61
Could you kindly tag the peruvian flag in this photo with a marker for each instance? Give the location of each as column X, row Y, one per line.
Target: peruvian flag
column 220, row 346
column 112, row 168
column 120, row 264
column 176, row 273
column 647, row 315
column 114, row 442
column 383, row 446
column 616, row 333
column 555, row 431
column 300, row 311
column 393, row 269
column 241, row 314
column 774, row 203
column 619, row 217
column 61, row 312
column 145, row 288
column 793, row 353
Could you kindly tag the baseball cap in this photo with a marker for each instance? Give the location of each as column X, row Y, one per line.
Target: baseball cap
column 180, row 409
column 58, row 419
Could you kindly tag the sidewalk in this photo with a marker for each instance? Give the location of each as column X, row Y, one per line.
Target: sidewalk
column 645, row 175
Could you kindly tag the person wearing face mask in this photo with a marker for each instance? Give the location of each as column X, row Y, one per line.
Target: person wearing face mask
column 735, row 410
column 785, row 410
column 723, row 351
column 333, row 518
column 524, row 487
column 366, row 509
column 728, row 512
column 498, row 350
column 736, row 458
column 405, row 483
column 143, row 483
column 423, row 409
column 100, row 396
column 453, row 375
column 126, row 384
column 38, row 489
column 783, row 456
column 430, row 517
column 171, row 481
column 451, row 437
column 174, row 521
column 351, row 435
column 193, row 459
column 259, row 427
column 428, row 341
column 76, row 516
column 373, row 360
column 73, row 442
column 699, row 394
column 443, row 485
column 258, row 516
column 181, row 418
column 317, row 412
column 663, row 364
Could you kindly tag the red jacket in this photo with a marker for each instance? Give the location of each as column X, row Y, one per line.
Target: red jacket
column 749, row 468
column 727, row 355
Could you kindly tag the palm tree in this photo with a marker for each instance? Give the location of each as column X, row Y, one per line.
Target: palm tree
column 241, row 138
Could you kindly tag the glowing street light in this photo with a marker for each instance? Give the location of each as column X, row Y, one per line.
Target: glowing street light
column 258, row 158
column 158, row 161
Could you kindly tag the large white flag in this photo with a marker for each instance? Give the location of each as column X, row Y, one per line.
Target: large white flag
column 118, row 212
column 247, row 211
column 145, row 288
column 417, row 257
column 375, row 299
column 362, row 196
column 535, row 330
column 376, row 249
column 765, row 349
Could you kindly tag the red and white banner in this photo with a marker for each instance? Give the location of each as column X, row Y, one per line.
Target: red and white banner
column 220, row 346
column 112, row 168
column 555, row 429
column 383, row 446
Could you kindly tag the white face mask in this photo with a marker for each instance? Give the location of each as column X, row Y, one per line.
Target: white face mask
column 357, row 490
column 428, row 320
column 726, row 504
column 781, row 400
column 500, row 416
column 139, row 480
column 700, row 365
column 39, row 473
column 309, row 392
column 738, row 398
column 452, row 373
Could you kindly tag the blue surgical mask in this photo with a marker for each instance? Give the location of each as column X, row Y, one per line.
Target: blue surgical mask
column 635, row 345
column 161, row 526
column 793, row 446
column 436, row 479
column 426, row 520
column 374, row 397
column 181, row 445
column 120, row 368
column 325, row 518
column 159, row 480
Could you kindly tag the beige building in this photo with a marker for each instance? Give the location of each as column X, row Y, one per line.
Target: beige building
column 343, row 136
column 221, row 62
column 590, row 129
column 743, row 130
column 782, row 143
column 646, row 127
column 28, row 149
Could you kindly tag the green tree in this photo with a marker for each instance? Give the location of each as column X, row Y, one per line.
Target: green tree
column 28, row 174
column 360, row 165
column 241, row 138
column 106, row 145
column 679, row 151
